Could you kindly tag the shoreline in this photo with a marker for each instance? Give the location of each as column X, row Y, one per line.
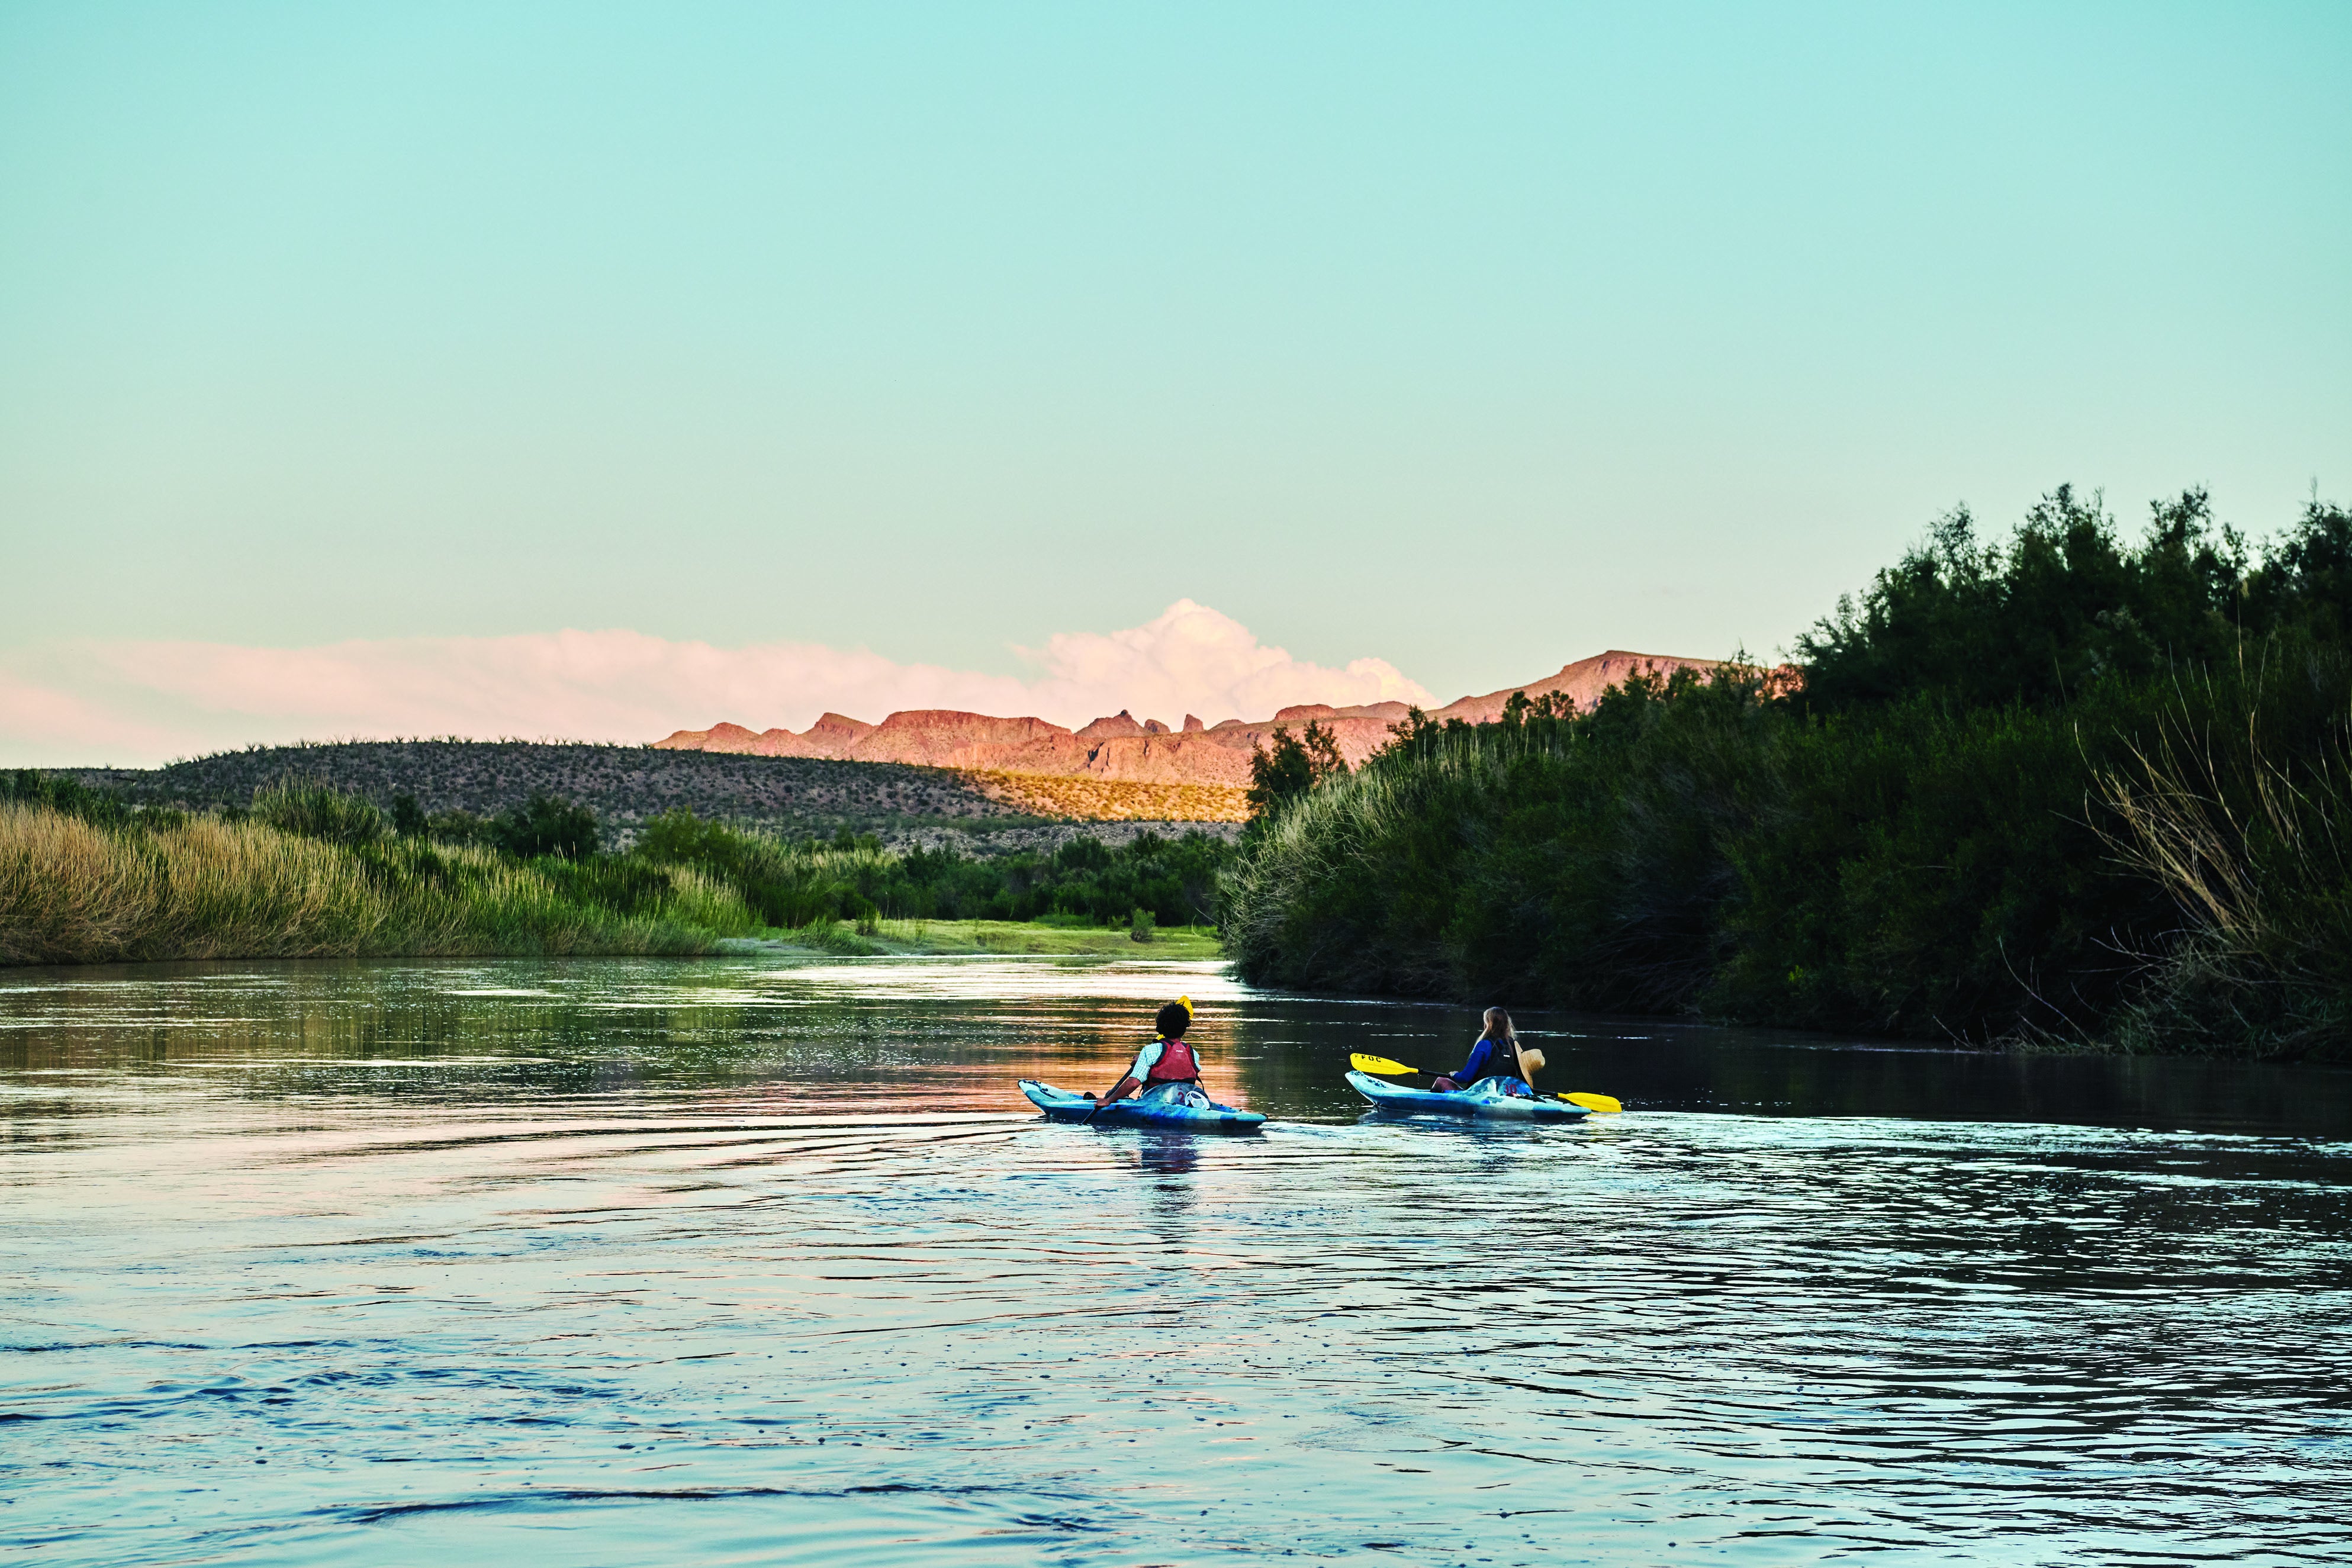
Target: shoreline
column 990, row 938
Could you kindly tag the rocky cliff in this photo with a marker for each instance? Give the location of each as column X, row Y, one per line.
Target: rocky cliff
column 1121, row 747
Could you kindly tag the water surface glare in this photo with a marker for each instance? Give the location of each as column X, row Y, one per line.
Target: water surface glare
column 738, row 1261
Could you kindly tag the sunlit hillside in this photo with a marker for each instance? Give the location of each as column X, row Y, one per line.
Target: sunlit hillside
column 1082, row 796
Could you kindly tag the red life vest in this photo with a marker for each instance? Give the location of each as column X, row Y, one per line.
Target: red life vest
column 1176, row 1064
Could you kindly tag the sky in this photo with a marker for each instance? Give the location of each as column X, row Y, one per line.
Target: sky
column 598, row 371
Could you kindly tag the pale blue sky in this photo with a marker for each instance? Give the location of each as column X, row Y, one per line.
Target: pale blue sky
column 1476, row 338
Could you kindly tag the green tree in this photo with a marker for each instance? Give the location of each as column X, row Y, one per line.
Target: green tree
column 1295, row 765
column 2064, row 606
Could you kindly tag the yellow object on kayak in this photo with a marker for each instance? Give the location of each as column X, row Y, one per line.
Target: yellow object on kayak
column 1381, row 1067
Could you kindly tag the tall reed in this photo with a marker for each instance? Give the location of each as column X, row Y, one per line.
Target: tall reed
column 71, row 891
column 2241, row 810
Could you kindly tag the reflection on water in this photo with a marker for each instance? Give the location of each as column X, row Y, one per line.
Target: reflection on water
column 623, row 1261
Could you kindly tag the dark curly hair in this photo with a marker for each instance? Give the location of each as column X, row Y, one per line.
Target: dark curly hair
column 1174, row 1019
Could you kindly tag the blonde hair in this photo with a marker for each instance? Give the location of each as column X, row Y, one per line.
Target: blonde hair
column 1530, row 1060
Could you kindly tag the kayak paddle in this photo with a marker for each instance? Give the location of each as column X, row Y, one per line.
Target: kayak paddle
column 1381, row 1067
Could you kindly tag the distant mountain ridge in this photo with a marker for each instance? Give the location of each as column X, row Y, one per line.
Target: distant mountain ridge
column 1121, row 747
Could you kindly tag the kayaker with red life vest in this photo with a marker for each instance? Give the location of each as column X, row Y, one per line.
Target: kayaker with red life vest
column 1496, row 1054
column 1166, row 1066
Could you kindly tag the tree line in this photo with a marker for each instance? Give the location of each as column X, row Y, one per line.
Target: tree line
column 2066, row 787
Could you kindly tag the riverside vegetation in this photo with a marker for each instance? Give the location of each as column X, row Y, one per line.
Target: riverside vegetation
column 2067, row 791
column 307, row 870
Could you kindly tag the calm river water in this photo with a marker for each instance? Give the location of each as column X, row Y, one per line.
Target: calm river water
column 738, row 1261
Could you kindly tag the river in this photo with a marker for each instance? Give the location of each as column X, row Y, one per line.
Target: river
column 732, row 1261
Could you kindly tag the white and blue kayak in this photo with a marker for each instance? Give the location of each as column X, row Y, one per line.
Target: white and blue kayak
column 1161, row 1107
column 1485, row 1098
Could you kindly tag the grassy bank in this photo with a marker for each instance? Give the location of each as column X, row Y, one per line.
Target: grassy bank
column 305, row 871
column 980, row 939
column 2066, row 790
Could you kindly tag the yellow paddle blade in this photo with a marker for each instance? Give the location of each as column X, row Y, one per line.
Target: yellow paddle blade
column 1594, row 1102
column 1379, row 1066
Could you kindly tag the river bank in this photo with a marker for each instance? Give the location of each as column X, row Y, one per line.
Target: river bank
column 311, row 872
column 934, row 938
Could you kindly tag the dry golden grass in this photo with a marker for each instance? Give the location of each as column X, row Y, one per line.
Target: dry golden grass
column 74, row 894
column 1085, row 797
column 66, row 889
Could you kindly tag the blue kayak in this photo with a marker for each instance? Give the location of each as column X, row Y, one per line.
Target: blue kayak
column 1484, row 1098
column 1156, row 1108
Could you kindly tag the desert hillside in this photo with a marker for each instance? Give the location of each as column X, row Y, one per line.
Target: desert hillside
column 624, row 785
column 1123, row 748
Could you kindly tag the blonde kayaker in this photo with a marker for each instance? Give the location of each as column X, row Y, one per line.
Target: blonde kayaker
column 1496, row 1054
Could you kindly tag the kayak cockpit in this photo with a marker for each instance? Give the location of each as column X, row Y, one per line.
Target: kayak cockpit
column 1180, row 1106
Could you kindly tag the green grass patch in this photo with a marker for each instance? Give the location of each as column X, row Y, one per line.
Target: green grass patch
column 1052, row 939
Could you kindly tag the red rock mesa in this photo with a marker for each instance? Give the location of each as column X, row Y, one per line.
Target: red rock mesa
column 1121, row 746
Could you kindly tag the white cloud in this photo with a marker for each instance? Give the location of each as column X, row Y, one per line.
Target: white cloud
column 1193, row 659
column 134, row 703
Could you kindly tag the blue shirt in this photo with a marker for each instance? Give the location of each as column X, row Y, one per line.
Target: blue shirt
column 1489, row 1059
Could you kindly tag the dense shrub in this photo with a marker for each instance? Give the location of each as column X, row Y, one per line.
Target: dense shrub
column 853, row 878
column 70, row 798
column 1571, row 861
column 1935, row 870
column 2064, row 606
column 311, row 810
column 408, row 819
column 2065, row 787
column 546, row 825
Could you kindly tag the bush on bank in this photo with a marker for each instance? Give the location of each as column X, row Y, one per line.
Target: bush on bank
column 2064, row 789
